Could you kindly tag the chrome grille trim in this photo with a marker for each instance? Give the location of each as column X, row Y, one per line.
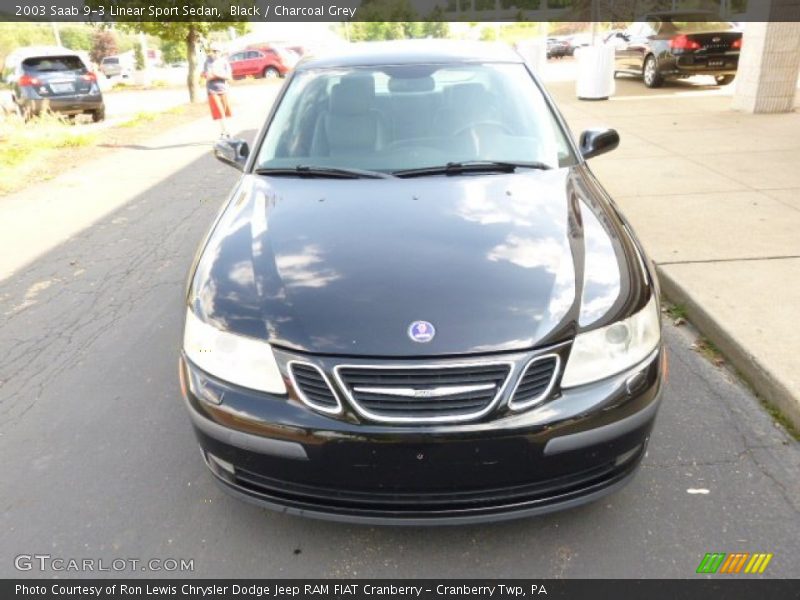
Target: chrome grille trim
column 532, row 401
column 363, row 412
column 304, row 399
column 437, row 392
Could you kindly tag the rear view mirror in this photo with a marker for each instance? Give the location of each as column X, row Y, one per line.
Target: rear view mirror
column 595, row 142
column 232, row 152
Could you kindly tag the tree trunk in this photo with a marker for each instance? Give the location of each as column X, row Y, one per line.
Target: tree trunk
column 191, row 55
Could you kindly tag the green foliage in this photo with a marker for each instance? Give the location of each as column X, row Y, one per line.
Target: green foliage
column 14, row 35
column 189, row 33
column 402, row 22
column 436, row 26
column 25, row 146
column 76, row 37
column 489, row 34
column 138, row 53
column 173, row 51
column 139, row 118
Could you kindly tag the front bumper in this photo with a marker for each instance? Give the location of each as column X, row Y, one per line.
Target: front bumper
column 584, row 443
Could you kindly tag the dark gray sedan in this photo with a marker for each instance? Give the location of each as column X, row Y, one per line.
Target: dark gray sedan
column 61, row 84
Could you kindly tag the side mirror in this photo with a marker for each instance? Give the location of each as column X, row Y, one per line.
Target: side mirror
column 595, row 142
column 232, row 152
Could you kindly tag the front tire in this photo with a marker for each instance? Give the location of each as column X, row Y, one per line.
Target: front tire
column 271, row 73
column 99, row 114
column 652, row 78
column 724, row 79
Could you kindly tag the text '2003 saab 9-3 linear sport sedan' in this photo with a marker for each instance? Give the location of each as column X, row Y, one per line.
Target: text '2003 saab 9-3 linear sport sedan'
column 418, row 304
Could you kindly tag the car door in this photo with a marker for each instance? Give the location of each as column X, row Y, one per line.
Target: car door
column 235, row 61
column 639, row 44
column 253, row 63
column 622, row 56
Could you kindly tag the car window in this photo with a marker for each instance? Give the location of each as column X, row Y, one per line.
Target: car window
column 251, row 54
column 45, row 64
column 237, row 56
column 411, row 116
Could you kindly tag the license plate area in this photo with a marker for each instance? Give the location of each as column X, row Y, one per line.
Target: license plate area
column 62, row 88
column 716, row 63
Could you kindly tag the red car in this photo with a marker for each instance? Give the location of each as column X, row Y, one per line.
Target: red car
column 259, row 62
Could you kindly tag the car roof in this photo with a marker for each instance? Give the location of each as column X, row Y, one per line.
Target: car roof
column 362, row 54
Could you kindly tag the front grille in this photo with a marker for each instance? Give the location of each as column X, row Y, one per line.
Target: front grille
column 312, row 387
column 536, row 382
column 423, row 394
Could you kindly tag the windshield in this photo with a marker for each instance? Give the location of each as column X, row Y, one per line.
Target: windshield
column 403, row 117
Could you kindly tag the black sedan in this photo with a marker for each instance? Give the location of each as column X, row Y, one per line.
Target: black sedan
column 418, row 304
column 557, row 48
column 674, row 45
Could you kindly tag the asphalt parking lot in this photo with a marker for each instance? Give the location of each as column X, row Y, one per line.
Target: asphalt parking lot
column 99, row 460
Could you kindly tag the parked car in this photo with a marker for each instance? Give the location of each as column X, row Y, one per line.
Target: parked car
column 557, row 48
column 56, row 83
column 112, row 66
column 259, row 62
column 419, row 305
column 672, row 45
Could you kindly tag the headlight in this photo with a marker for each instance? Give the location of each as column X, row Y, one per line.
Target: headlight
column 233, row 358
column 612, row 349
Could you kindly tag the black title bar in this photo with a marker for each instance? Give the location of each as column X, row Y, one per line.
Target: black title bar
column 390, row 10
column 422, row 589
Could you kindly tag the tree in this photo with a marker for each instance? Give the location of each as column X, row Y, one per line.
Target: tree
column 76, row 37
column 436, row 26
column 104, row 43
column 138, row 55
column 189, row 33
column 402, row 22
column 172, row 51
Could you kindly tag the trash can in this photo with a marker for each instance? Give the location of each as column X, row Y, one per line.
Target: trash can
column 595, row 72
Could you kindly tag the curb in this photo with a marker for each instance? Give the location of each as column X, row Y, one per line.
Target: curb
column 766, row 385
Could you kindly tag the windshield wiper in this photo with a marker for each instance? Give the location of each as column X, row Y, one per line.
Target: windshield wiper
column 471, row 166
column 318, row 171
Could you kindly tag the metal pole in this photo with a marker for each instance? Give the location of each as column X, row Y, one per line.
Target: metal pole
column 56, row 33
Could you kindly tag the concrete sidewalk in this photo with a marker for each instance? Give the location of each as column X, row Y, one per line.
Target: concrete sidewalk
column 715, row 197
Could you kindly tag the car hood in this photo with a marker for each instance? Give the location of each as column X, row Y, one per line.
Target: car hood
column 495, row 262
